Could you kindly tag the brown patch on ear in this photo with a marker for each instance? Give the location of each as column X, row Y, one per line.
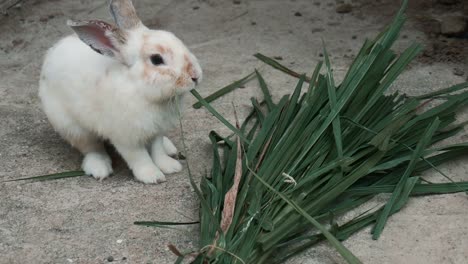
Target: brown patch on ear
column 124, row 14
column 120, row 36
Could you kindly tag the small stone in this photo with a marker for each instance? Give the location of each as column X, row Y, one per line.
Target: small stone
column 236, row 2
column 354, row 37
column 458, row 72
column 195, row 7
column 320, row 54
column 119, row 241
column 334, row 23
column 278, row 58
column 124, row 258
column 253, row 23
column 17, row 42
column 315, row 30
column 453, row 26
column 110, row 258
column 298, row 14
column 344, row 8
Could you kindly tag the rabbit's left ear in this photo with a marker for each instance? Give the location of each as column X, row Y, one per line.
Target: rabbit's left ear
column 124, row 14
column 102, row 37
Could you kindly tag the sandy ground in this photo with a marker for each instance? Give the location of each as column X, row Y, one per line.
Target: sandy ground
column 81, row 220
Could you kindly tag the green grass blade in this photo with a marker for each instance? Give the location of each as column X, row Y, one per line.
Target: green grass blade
column 227, row 89
column 55, row 176
column 275, row 64
column 332, row 98
column 266, row 92
column 451, row 89
column 161, row 223
column 219, row 116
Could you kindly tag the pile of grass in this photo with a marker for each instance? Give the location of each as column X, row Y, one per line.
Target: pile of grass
column 278, row 183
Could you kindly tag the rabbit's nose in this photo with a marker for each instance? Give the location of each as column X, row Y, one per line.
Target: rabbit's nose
column 195, row 80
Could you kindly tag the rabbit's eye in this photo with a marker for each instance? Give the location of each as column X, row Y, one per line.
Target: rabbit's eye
column 157, row 59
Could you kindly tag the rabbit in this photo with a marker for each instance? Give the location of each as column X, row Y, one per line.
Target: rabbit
column 124, row 83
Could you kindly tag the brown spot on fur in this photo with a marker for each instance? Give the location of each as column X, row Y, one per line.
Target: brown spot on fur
column 165, row 50
column 149, row 70
column 187, row 74
column 189, row 67
column 181, row 82
column 148, row 49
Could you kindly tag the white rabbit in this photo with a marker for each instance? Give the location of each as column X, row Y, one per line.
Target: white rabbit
column 123, row 83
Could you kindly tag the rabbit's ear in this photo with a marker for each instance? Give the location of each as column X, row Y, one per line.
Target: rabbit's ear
column 102, row 37
column 124, row 14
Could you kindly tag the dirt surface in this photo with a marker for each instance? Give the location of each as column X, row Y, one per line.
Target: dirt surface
column 444, row 22
column 81, row 220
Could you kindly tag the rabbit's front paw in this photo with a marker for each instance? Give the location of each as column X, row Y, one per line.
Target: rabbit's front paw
column 98, row 165
column 167, row 164
column 169, row 147
column 149, row 174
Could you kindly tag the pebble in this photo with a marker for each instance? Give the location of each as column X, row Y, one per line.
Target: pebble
column 458, row 72
column 298, row 14
column 110, row 258
column 344, row 8
column 315, row 30
column 453, row 25
column 44, row 19
column 119, row 241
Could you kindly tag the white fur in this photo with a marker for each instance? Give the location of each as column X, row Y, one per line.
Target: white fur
column 169, row 147
column 89, row 97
